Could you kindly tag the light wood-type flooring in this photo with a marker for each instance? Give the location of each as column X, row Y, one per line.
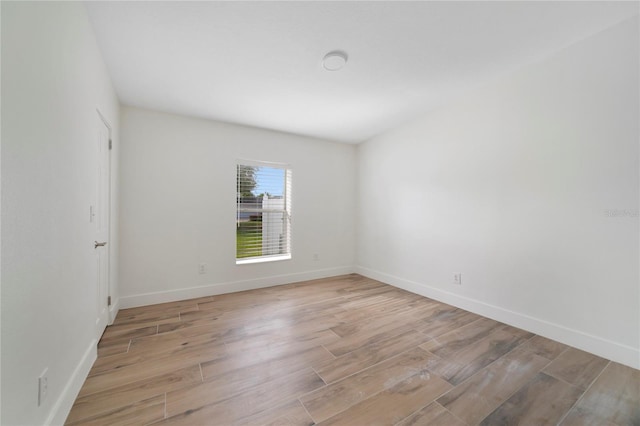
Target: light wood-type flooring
column 346, row 350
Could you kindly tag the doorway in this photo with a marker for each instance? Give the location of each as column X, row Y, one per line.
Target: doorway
column 100, row 218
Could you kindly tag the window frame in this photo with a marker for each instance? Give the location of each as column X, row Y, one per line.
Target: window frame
column 286, row 211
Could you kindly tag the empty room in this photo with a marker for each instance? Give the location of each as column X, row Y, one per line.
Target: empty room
column 331, row 212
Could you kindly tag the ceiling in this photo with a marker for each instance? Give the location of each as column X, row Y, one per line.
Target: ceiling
column 260, row 63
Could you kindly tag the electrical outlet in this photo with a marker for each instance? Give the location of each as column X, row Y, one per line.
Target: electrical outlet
column 316, row 256
column 43, row 386
column 457, row 278
column 202, row 268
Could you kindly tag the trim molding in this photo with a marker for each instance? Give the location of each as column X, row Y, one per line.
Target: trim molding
column 614, row 351
column 62, row 406
column 229, row 287
column 113, row 311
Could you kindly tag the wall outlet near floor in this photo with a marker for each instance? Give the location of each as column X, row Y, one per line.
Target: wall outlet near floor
column 457, row 278
column 43, row 386
column 202, row 268
column 316, row 256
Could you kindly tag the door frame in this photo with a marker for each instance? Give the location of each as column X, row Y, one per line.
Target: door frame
column 112, row 310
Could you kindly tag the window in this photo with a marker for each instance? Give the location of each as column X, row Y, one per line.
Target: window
column 263, row 212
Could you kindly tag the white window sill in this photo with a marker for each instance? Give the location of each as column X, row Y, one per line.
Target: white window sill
column 263, row 259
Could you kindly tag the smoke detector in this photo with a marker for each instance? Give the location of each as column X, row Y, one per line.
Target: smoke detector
column 334, row 60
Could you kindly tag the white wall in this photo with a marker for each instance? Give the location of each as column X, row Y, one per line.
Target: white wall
column 53, row 79
column 510, row 186
column 178, row 195
column 0, row 223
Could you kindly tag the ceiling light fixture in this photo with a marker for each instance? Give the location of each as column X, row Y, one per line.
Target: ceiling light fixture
column 334, row 60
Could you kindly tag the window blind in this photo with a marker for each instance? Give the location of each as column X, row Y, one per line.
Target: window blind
column 263, row 218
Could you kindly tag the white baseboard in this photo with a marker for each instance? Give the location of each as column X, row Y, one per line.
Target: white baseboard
column 614, row 351
column 230, row 287
column 113, row 311
column 62, row 406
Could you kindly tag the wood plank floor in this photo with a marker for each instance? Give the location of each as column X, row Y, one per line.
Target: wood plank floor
column 346, row 350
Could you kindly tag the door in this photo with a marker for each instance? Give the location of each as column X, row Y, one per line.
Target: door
column 100, row 218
